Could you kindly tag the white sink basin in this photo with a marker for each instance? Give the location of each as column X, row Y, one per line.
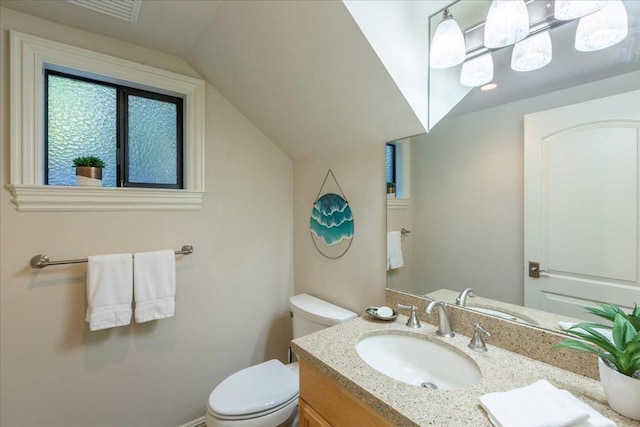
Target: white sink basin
column 500, row 314
column 418, row 361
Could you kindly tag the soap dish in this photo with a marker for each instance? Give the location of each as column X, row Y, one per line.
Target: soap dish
column 374, row 312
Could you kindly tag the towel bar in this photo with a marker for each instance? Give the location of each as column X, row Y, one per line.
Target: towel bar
column 404, row 231
column 41, row 261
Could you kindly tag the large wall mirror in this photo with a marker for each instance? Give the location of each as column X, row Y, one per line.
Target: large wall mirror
column 469, row 209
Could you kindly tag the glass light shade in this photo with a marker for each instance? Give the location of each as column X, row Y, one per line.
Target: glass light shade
column 532, row 53
column 603, row 28
column 507, row 23
column 477, row 71
column 447, row 46
column 571, row 9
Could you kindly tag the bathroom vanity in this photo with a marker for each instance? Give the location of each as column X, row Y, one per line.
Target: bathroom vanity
column 337, row 388
column 324, row 402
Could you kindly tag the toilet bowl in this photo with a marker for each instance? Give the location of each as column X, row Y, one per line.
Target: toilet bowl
column 266, row 395
column 263, row 395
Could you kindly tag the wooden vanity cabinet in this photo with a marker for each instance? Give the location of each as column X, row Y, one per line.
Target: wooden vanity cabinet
column 307, row 417
column 324, row 403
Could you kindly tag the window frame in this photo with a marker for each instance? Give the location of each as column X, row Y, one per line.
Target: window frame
column 122, row 128
column 124, row 143
column 403, row 175
column 30, row 55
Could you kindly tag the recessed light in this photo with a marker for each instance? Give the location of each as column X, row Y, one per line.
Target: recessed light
column 489, row 86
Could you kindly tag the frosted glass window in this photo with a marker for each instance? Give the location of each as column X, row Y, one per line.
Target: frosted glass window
column 81, row 121
column 138, row 134
column 391, row 162
column 153, row 141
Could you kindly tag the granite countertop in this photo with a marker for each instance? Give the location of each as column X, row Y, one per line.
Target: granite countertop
column 333, row 352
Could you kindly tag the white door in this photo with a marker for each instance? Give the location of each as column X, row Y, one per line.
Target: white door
column 581, row 205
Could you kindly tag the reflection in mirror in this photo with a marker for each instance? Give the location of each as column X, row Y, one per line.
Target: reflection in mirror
column 507, row 311
column 466, row 210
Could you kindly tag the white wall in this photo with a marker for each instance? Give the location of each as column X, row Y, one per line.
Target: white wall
column 467, row 187
column 357, row 279
column 232, row 293
column 398, row 32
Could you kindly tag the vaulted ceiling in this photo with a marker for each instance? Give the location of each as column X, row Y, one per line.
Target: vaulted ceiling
column 317, row 82
column 301, row 71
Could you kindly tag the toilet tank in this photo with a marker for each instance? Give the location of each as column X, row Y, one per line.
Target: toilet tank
column 311, row 314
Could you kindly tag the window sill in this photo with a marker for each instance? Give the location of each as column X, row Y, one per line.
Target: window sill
column 42, row 198
column 397, row 203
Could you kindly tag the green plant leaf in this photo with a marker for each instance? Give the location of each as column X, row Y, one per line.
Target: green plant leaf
column 581, row 346
column 88, row 161
column 624, row 351
column 591, row 325
column 623, row 332
column 634, row 318
column 606, row 311
column 634, row 345
column 593, row 336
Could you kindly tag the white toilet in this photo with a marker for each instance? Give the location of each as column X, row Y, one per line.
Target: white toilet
column 266, row 395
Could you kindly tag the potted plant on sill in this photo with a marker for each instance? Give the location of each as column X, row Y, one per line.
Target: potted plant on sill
column 618, row 357
column 391, row 189
column 88, row 170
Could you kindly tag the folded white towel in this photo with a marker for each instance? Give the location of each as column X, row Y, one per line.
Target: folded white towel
column 109, row 291
column 394, row 250
column 596, row 419
column 537, row 405
column 565, row 325
column 154, row 285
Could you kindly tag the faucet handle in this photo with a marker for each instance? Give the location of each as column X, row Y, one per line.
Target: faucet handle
column 413, row 321
column 477, row 342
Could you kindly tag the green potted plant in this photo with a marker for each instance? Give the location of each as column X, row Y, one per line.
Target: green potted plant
column 88, row 170
column 391, row 189
column 618, row 355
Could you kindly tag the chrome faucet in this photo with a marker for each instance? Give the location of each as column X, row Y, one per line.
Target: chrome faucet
column 462, row 298
column 444, row 330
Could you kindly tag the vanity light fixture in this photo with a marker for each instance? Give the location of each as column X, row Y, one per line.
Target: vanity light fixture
column 566, row 10
column 602, row 23
column 447, row 46
column 532, row 53
column 507, row 23
column 603, row 28
column 477, row 71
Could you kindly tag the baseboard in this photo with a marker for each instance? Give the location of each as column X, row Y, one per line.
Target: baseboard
column 198, row 422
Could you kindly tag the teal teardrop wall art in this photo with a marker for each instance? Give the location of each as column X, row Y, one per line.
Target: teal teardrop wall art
column 331, row 223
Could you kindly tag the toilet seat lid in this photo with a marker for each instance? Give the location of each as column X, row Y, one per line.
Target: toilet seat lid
column 255, row 389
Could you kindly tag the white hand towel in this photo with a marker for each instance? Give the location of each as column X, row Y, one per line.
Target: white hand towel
column 394, row 250
column 109, row 291
column 154, row 284
column 537, row 405
column 596, row 419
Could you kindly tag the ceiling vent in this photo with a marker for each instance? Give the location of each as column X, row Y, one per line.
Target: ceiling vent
column 122, row 9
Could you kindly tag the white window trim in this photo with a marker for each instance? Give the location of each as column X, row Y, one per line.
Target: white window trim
column 397, row 203
column 29, row 57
